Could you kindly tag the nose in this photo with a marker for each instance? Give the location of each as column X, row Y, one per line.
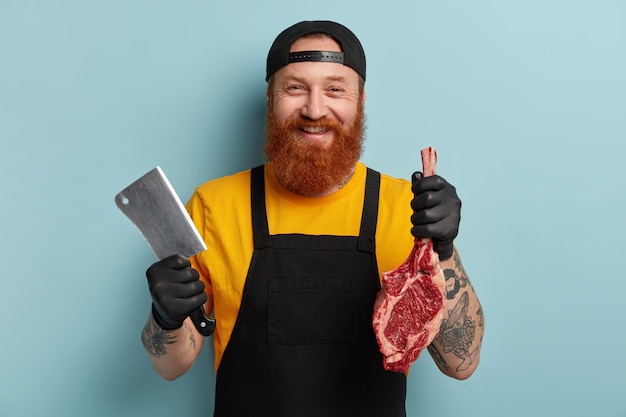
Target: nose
column 315, row 106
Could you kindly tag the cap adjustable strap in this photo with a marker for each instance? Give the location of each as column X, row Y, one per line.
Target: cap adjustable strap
column 316, row 56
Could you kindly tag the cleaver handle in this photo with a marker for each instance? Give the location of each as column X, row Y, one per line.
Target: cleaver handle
column 204, row 325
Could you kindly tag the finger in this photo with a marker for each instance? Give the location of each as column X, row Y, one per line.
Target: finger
column 194, row 302
column 427, row 217
column 184, row 275
column 186, row 290
column 160, row 274
column 177, row 308
column 425, row 201
column 432, row 183
column 445, row 228
column 424, row 230
column 169, row 294
column 429, row 198
column 175, row 262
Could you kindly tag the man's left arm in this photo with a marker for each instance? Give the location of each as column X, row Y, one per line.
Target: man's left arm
column 437, row 215
column 456, row 348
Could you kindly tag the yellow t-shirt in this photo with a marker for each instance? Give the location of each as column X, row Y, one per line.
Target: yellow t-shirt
column 221, row 211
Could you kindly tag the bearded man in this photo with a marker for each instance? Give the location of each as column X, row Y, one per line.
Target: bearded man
column 296, row 248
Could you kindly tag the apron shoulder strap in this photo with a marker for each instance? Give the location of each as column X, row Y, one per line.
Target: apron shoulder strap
column 260, row 229
column 367, row 235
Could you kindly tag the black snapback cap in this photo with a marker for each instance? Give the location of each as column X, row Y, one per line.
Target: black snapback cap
column 352, row 53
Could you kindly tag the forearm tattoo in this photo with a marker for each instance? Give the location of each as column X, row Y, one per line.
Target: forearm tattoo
column 457, row 332
column 155, row 339
column 458, row 329
column 434, row 352
column 192, row 337
column 456, row 279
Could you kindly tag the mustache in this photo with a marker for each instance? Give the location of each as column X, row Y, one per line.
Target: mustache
column 303, row 123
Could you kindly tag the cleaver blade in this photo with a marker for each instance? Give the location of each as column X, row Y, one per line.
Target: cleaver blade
column 153, row 206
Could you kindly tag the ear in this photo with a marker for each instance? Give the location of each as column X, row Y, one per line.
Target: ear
column 269, row 97
column 363, row 98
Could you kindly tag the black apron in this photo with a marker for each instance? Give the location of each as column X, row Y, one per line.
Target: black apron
column 303, row 344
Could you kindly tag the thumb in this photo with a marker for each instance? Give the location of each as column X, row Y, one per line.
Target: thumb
column 416, row 177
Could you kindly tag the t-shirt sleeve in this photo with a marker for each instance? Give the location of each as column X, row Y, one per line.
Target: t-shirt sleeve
column 195, row 208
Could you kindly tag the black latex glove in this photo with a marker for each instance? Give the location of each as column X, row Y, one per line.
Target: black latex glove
column 176, row 291
column 436, row 212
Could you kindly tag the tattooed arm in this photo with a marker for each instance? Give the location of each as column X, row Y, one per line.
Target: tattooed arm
column 172, row 352
column 456, row 348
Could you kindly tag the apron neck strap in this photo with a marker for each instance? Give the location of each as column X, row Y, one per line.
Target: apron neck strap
column 367, row 234
column 259, row 214
column 369, row 218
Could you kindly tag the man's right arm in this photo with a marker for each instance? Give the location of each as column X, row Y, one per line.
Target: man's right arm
column 169, row 337
column 172, row 352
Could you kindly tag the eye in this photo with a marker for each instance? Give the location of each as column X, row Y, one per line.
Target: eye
column 294, row 88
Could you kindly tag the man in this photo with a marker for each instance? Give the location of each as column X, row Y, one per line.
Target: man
column 295, row 252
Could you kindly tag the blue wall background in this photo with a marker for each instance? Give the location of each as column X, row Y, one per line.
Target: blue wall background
column 524, row 100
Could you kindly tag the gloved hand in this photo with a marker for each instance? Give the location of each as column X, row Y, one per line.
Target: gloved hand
column 436, row 212
column 176, row 291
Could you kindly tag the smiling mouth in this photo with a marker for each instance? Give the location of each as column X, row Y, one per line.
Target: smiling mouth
column 314, row 129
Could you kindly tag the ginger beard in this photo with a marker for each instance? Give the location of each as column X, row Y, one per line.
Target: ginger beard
column 308, row 168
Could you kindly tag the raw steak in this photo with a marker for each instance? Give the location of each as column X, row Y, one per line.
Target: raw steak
column 409, row 307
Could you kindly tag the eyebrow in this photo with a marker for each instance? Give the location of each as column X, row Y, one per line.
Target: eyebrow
column 337, row 78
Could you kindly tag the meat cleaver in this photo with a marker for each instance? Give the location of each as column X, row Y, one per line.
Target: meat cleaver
column 152, row 204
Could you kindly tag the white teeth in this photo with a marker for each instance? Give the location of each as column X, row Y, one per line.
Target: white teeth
column 314, row 129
